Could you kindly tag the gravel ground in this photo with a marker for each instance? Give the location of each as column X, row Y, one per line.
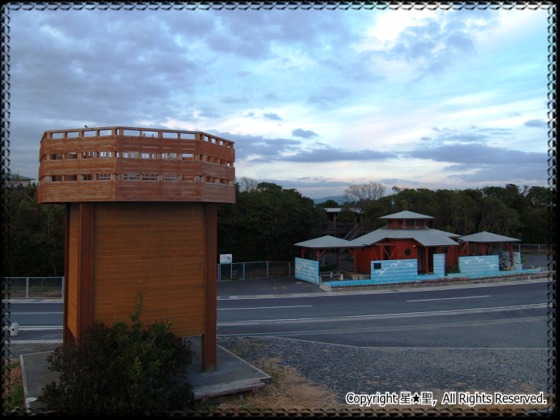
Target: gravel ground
column 344, row 369
column 368, row 370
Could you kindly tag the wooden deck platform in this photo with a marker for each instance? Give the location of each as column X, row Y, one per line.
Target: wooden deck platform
column 135, row 164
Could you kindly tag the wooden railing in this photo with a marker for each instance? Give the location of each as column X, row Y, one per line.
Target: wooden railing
column 135, row 164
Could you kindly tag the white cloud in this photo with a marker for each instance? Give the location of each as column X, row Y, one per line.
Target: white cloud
column 310, row 97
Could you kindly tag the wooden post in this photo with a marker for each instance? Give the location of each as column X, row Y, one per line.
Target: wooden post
column 78, row 269
column 85, row 266
column 509, row 246
column 209, row 339
column 66, row 335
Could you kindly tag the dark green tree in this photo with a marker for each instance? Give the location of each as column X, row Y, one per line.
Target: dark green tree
column 510, row 195
column 536, row 217
column 264, row 223
column 419, row 200
column 329, row 204
column 497, row 218
column 456, row 212
column 376, row 209
column 35, row 234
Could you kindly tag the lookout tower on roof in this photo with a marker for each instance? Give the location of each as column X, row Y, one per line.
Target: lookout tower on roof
column 406, row 235
column 406, row 219
column 141, row 216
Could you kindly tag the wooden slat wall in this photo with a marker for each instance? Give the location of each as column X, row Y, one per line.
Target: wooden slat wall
column 204, row 162
column 110, row 191
column 209, row 339
column 72, row 279
column 79, row 269
column 158, row 248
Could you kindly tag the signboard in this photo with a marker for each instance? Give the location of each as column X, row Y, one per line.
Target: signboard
column 307, row 270
column 226, row 258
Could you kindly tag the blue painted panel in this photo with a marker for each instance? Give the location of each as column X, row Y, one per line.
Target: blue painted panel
column 482, row 264
column 307, row 270
column 348, row 283
column 517, row 264
column 394, row 270
column 439, row 265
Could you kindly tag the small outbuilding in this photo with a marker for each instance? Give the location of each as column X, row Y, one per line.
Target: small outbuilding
column 324, row 244
column 488, row 243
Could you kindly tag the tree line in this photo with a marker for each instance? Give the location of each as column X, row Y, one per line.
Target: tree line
column 267, row 220
column 523, row 213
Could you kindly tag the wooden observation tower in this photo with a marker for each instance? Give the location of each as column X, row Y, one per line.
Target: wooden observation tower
column 141, row 216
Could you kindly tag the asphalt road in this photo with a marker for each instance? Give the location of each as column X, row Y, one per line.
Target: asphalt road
column 488, row 316
column 478, row 316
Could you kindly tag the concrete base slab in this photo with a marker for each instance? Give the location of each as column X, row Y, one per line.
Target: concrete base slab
column 232, row 375
column 35, row 375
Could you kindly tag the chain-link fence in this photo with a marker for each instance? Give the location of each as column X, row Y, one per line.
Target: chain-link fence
column 34, row 287
column 534, row 248
column 53, row 287
column 255, row 270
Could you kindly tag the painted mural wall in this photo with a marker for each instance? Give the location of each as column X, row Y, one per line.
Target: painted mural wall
column 406, row 270
column 307, row 270
column 401, row 271
column 388, row 271
column 479, row 265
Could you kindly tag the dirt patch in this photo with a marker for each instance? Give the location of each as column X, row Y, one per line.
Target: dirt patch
column 289, row 390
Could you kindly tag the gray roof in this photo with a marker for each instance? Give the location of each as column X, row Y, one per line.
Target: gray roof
column 451, row 235
column 486, row 237
column 339, row 209
column 16, row 177
column 424, row 236
column 323, row 242
column 406, row 215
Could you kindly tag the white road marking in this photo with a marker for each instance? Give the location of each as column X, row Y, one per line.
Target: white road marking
column 265, row 307
column 449, row 298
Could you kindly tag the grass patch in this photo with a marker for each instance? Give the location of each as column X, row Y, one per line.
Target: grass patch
column 12, row 391
column 289, row 391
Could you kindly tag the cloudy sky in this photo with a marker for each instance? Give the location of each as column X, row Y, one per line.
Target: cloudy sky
column 315, row 99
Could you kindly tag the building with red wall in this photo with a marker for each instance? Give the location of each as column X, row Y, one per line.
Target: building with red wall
column 406, row 235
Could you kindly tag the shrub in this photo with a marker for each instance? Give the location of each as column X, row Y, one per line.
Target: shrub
column 123, row 369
